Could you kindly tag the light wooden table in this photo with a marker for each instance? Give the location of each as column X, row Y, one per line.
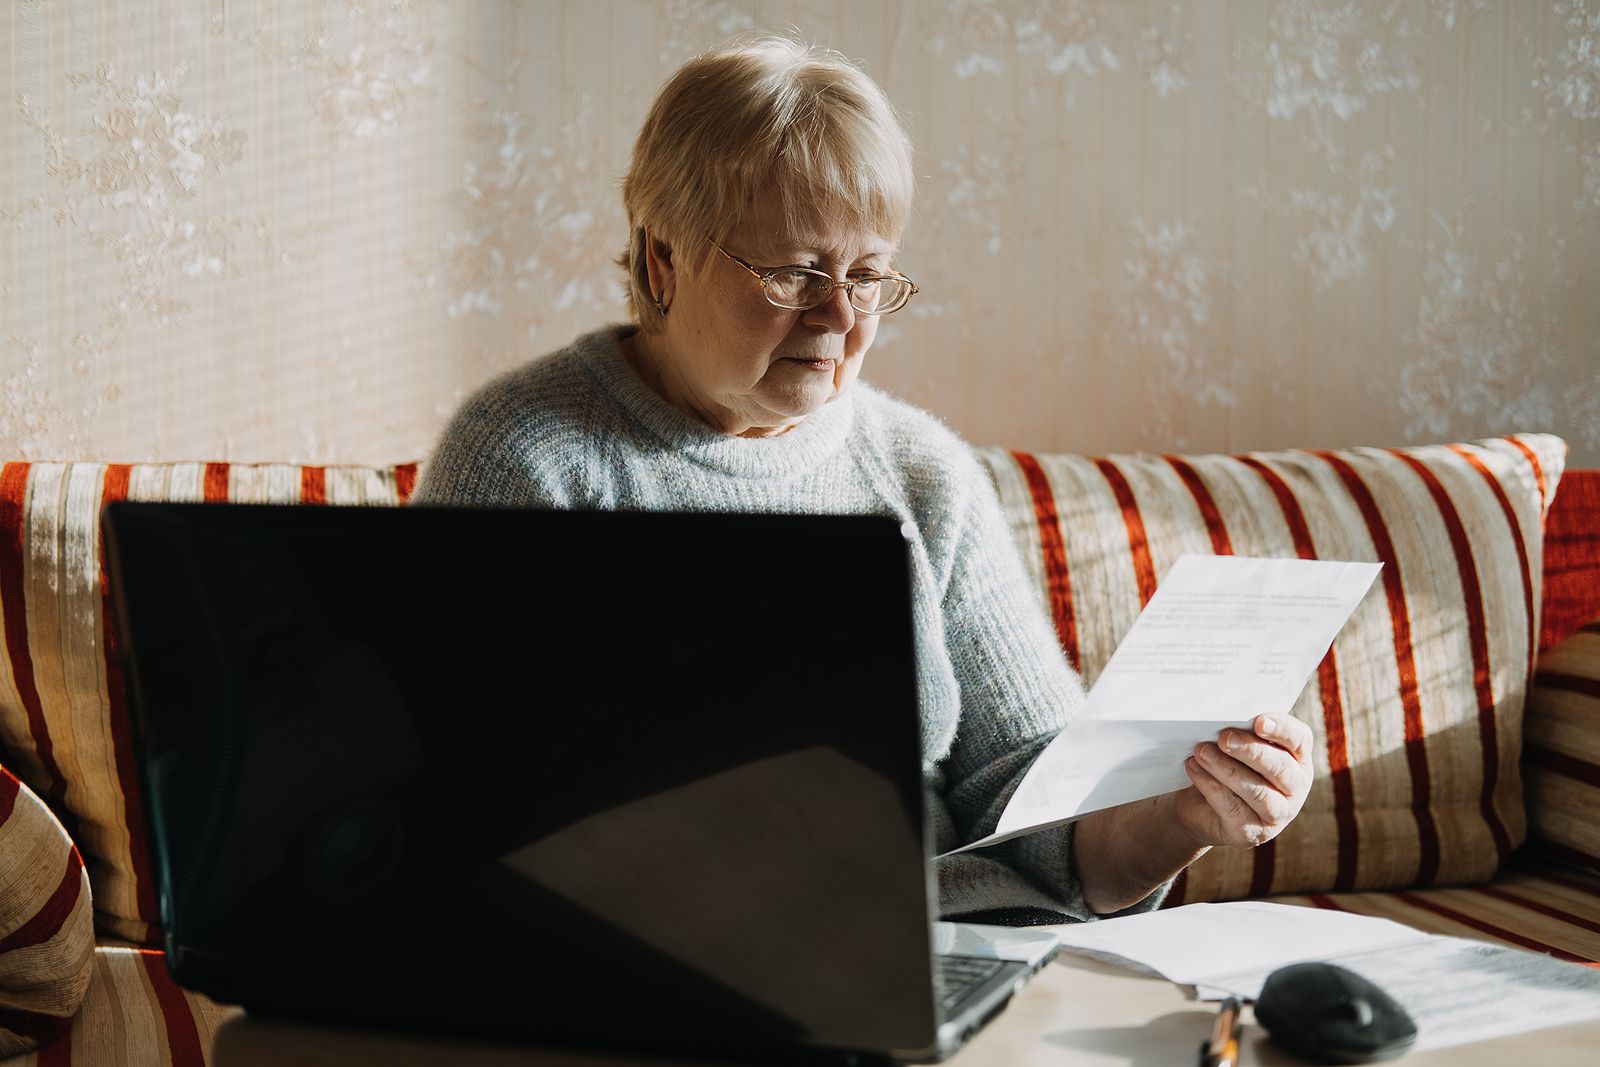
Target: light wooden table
column 1076, row 1011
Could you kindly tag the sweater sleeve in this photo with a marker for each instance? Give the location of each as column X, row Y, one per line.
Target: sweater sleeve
column 1017, row 691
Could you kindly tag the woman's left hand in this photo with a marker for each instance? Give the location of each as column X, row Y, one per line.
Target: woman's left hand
column 1247, row 786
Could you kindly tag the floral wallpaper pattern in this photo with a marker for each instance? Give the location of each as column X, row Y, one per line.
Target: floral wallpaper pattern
column 235, row 229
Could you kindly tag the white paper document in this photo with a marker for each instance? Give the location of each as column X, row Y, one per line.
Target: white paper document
column 1224, row 639
column 1205, row 945
column 1456, row 990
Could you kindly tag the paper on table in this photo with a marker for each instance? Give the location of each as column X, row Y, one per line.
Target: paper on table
column 1224, row 639
column 1456, row 990
column 1203, row 944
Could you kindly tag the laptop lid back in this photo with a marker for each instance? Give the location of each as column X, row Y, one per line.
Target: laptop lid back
column 633, row 779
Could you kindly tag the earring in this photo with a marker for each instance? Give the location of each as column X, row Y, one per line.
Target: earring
column 661, row 307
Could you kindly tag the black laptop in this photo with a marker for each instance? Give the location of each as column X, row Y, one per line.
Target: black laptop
column 639, row 781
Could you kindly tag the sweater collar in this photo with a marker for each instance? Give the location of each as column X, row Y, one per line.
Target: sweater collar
column 803, row 448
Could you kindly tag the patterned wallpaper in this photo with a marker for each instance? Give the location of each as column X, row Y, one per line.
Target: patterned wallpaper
column 302, row 231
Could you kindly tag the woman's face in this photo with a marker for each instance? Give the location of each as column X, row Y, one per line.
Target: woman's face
column 744, row 366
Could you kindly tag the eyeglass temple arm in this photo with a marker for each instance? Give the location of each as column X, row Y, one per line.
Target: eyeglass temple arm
column 762, row 278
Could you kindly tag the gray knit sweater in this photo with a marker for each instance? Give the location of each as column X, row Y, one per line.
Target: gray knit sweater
column 579, row 429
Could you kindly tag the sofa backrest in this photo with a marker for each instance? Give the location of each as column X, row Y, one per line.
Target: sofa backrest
column 1571, row 558
column 64, row 730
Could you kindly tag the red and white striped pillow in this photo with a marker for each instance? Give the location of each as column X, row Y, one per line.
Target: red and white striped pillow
column 46, row 922
column 1417, row 708
column 1561, row 758
column 63, row 718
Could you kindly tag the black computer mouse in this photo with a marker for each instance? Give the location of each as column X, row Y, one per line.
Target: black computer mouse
column 1326, row 1014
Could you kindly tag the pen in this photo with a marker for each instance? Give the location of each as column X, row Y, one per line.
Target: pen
column 1223, row 1048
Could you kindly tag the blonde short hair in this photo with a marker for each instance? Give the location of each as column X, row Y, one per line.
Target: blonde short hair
column 762, row 116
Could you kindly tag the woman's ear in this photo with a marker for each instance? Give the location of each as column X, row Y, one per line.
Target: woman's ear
column 660, row 266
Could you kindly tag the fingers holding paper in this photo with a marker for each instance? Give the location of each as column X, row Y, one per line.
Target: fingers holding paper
column 1248, row 785
column 1278, row 749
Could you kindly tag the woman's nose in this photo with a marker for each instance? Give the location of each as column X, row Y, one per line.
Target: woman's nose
column 836, row 312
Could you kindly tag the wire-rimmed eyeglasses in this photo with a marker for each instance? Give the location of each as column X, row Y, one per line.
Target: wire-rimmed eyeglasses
column 801, row 288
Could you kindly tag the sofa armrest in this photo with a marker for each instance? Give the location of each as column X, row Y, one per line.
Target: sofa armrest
column 46, row 921
column 1561, row 750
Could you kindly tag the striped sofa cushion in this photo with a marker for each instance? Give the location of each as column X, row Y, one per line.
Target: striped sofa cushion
column 1417, row 708
column 1533, row 904
column 1561, row 754
column 63, row 720
column 46, row 921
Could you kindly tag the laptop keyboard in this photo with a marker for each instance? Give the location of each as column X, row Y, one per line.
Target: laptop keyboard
column 960, row 975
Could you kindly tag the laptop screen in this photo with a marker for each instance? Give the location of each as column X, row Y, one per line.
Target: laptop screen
column 630, row 779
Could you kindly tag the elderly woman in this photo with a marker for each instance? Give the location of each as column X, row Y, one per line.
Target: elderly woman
column 768, row 193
